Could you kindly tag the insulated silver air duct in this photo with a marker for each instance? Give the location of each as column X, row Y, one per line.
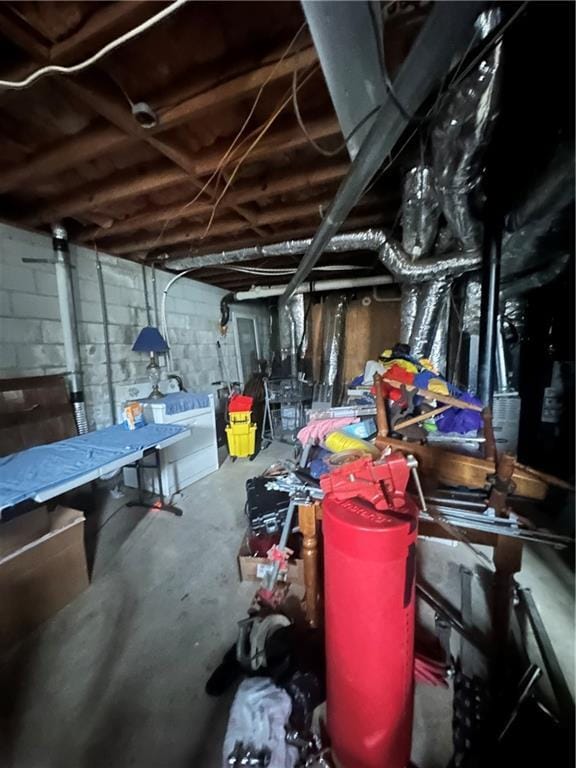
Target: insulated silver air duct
column 291, row 331
column 460, row 136
column 334, row 322
column 431, row 300
column 420, row 212
column 392, row 256
column 408, row 309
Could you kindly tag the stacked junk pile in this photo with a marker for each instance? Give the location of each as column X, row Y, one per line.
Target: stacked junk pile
column 406, row 454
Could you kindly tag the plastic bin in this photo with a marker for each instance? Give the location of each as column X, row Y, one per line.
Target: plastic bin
column 241, row 439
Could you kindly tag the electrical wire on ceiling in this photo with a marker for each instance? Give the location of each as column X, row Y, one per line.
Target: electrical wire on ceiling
column 113, row 45
column 421, row 120
column 217, row 171
column 252, row 146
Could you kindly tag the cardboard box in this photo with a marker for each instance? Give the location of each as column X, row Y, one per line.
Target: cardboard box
column 42, row 569
column 251, row 568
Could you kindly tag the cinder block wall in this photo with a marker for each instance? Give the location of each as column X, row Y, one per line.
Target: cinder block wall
column 31, row 342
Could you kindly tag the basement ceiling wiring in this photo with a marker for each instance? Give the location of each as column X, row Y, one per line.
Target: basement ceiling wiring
column 61, row 70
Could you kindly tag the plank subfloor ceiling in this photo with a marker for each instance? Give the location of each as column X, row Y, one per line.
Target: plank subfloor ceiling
column 226, row 163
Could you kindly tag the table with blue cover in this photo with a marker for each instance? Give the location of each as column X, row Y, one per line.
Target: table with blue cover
column 46, row 471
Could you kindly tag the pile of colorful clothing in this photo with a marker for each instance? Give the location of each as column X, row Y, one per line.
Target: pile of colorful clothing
column 401, row 372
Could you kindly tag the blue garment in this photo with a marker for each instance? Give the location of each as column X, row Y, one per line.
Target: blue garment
column 178, row 402
column 25, row 474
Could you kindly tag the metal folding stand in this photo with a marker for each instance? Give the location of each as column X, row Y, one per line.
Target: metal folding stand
column 140, row 501
column 267, row 423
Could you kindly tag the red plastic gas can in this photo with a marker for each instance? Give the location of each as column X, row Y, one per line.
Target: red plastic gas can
column 370, row 569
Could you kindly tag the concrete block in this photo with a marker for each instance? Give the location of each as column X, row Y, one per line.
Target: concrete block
column 88, row 290
column 123, row 352
column 17, row 278
column 90, row 333
column 122, row 315
column 92, row 354
column 114, row 275
column 37, row 355
column 89, row 312
column 34, row 306
column 51, row 331
column 125, row 296
column 5, row 304
column 123, row 334
column 8, row 357
column 45, row 282
column 20, row 330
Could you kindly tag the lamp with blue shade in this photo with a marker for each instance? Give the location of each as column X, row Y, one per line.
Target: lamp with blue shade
column 151, row 340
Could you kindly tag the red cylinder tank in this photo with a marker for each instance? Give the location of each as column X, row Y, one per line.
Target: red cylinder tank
column 370, row 568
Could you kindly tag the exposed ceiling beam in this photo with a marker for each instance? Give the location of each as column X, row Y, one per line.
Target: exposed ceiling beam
column 124, row 186
column 269, row 186
column 106, row 24
column 103, row 98
column 23, row 35
column 189, row 232
column 95, row 142
column 311, row 209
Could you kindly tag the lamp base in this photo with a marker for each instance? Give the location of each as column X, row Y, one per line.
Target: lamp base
column 156, row 394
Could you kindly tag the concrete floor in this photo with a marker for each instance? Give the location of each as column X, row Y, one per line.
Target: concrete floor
column 117, row 678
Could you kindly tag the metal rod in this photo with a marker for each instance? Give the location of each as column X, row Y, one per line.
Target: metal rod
column 154, row 295
column 146, row 300
column 489, row 310
column 451, row 616
column 538, row 537
column 553, row 669
column 106, row 332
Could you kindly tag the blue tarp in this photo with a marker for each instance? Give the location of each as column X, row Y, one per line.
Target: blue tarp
column 25, row 474
column 178, row 402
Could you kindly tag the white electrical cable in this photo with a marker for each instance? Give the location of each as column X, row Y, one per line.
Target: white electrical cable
column 57, row 69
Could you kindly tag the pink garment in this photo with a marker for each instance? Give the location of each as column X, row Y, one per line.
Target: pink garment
column 316, row 431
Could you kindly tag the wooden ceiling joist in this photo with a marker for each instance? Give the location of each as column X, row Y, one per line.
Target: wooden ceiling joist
column 128, row 185
column 95, row 142
column 311, row 209
column 93, row 92
column 80, row 153
column 248, row 191
column 186, row 232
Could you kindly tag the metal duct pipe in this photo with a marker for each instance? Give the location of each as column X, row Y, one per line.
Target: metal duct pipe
column 431, row 300
column 291, row 331
column 333, row 344
column 459, row 136
column 408, row 309
column 420, row 212
column 265, row 291
column 448, row 27
column 69, row 324
column 390, row 254
column 405, row 270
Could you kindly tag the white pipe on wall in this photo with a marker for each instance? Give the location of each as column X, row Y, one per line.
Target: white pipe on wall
column 265, row 291
column 67, row 308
